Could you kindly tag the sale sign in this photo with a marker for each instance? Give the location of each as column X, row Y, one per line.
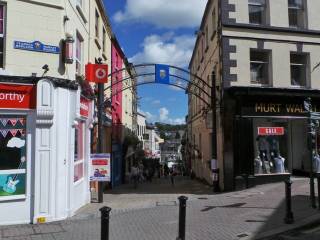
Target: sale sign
column 97, row 73
column 17, row 96
column 270, row 131
column 100, row 167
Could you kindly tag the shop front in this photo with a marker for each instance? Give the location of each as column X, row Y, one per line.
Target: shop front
column 44, row 149
column 270, row 135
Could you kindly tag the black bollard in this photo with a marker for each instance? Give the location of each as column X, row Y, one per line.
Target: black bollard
column 318, row 178
column 105, row 216
column 289, row 214
column 182, row 218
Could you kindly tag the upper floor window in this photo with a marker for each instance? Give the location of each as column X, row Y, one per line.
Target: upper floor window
column 259, row 66
column 207, row 38
column 103, row 40
column 298, row 68
column 97, row 24
column 297, row 18
column 214, row 24
column 79, row 53
column 2, row 34
column 257, row 11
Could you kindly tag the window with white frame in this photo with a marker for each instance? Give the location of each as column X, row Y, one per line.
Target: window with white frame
column 298, row 69
column 296, row 11
column 257, row 11
column 79, row 53
column 79, row 152
column 259, row 66
column 2, row 35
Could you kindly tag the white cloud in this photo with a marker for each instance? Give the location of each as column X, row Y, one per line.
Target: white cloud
column 167, row 49
column 167, row 14
column 179, row 121
column 163, row 114
column 150, row 117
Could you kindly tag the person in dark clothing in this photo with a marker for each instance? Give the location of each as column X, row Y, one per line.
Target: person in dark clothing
column 172, row 175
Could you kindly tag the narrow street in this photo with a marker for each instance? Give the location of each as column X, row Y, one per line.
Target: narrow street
column 151, row 212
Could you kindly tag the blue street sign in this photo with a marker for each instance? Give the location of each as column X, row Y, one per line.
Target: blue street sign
column 162, row 74
column 36, row 46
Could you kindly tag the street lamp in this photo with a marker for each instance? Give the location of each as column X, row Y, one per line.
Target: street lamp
column 311, row 128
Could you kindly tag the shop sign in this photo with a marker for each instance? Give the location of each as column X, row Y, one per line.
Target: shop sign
column 36, row 46
column 84, row 107
column 270, row 131
column 100, row 167
column 14, row 96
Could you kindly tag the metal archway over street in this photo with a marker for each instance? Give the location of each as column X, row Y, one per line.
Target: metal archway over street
column 142, row 74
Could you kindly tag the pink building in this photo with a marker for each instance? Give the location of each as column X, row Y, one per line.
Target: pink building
column 117, row 58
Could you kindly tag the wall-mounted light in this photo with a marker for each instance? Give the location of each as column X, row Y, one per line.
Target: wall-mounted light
column 68, row 49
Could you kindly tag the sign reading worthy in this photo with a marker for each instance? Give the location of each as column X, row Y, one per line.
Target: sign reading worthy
column 100, row 167
column 36, row 46
column 17, row 96
column 270, row 131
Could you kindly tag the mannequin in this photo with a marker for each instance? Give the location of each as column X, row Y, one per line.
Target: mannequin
column 279, row 163
column 257, row 165
column 263, row 148
column 316, row 163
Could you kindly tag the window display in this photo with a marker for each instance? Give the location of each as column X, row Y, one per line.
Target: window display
column 13, row 160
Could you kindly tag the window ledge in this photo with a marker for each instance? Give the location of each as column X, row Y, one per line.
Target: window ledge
column 97, row 41
column 80, row 10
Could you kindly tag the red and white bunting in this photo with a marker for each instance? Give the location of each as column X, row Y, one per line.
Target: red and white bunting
column 22, row 121
column 13, row 121
column 14, row 132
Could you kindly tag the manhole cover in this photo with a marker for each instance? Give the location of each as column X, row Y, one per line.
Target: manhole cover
column 242, row 235
column 202, row 198
column 167, row 203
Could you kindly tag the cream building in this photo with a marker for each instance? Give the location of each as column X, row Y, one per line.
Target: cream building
column 264, row 54
column 50, row 180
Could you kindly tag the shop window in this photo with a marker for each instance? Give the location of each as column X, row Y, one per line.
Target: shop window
column 271, row 145
column 79, row 52
column 104, row 37
column 2, row 22
column 259, row 66
column 13, row 159
column 257, row 11
column 296, row 13
column 79, row 152
column 298, row 67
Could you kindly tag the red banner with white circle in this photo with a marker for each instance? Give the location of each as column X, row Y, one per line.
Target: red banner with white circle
column 97, row 73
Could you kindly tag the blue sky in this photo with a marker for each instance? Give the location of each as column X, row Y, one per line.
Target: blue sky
column 157, row 31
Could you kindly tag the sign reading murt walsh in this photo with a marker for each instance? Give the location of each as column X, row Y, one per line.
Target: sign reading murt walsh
column 17, row 96
column 84, row 107
column 270, row 131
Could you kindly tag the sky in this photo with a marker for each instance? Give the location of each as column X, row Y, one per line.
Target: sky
column 158, row 31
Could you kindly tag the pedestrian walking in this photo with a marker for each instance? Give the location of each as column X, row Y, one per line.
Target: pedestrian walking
column 135, row 175
column 172, row 174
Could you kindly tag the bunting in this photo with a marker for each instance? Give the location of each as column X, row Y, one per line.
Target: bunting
column 13, row 121
column 14, row 132
column 4, row 121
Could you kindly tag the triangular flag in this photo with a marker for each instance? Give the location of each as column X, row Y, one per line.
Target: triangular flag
column 13, row 121
column 4, row 133
column 22, row 132
column 22, row 121
column 4, row 121
column 14, row 132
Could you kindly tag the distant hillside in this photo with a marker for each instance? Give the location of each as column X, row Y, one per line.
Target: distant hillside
column 169, row 131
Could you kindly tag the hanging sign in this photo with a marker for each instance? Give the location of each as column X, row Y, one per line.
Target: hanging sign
column 100, row 167
column 97, row 73
column 270, row 131
column 36, row 46
column 162, row 73
column 84, row 107
column 17, row 97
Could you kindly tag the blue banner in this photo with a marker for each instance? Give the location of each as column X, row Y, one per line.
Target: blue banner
column 36, row 46
column 162, row 74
